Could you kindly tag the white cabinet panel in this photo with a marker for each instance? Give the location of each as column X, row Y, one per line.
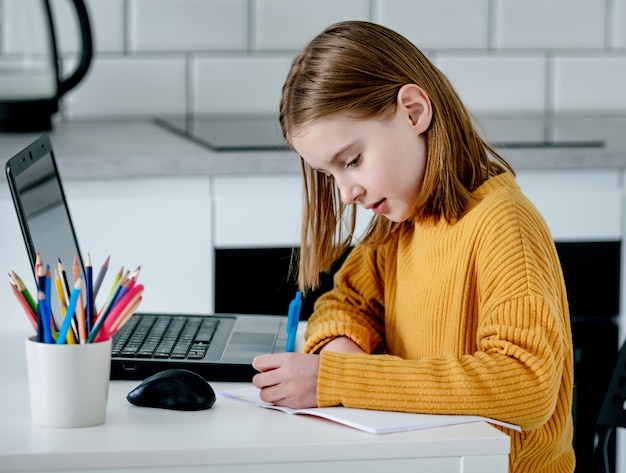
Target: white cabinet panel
column 262, row 211
column 579, row 205
column 164, row 225
column 257, row 211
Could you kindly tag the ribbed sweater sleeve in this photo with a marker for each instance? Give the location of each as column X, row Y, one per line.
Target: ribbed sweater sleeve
column 462, row 318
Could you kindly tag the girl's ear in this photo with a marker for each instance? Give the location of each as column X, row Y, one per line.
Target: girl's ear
column 416, row 104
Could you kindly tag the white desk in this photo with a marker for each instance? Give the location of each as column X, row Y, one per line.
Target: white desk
column 230, row 437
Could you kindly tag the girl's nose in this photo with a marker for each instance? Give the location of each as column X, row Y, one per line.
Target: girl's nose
column 350, row 192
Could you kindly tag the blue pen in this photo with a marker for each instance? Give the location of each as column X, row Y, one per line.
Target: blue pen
column 292, row 321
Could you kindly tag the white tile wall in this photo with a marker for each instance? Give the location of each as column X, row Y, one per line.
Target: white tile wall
column 437, row 24
column 289, row 24
column 230, row 56
column 494, row 84
column 22, row 29
column 107, row 24
column 188, row 25
column 238, row 85
column 590, row 83
column 618, row 24
column 130, row 86
column 549, row 24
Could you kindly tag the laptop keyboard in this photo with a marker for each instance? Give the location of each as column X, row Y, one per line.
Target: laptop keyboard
column 166, row 336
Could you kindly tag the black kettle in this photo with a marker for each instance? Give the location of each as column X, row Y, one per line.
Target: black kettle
column 30, row 86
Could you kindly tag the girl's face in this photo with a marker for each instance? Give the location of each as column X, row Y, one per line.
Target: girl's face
column 376, row 163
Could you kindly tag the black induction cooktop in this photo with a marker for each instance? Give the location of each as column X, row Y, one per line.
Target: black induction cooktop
column 262, row 132
column 229, row 133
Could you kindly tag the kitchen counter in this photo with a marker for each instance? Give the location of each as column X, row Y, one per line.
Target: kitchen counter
column 93, row 149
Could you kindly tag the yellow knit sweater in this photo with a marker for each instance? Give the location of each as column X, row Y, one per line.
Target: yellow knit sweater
column 463, row 318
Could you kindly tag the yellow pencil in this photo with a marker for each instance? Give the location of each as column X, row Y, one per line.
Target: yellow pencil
column 60, row 292
column 71, row 339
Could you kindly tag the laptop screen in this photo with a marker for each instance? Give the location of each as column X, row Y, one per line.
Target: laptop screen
column 42, row 210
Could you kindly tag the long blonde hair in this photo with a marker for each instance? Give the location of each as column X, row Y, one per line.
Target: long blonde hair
column 357, row 68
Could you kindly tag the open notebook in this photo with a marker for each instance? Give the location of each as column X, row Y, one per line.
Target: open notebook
column 375, row 422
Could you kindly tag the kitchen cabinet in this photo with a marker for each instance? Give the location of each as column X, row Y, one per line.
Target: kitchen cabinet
column 257, row 226
column 162, row 224
column 257, row 211
column 578, row 205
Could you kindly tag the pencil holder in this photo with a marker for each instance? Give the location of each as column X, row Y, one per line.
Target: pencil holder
column 68, row 383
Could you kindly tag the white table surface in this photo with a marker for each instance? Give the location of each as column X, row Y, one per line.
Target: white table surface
column 230, row 437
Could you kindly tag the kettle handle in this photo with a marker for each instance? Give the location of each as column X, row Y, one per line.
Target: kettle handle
column 86, row 51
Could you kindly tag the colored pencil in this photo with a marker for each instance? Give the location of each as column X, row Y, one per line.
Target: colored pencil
column 114, row 313
column 124, row 317
column 43, row 298
column 113, row 297
column 60, row 291
column 116, row 280
column 134, row 277
column 64, row 333
column 80, row 308
column 41, row 317
column 63, row 276
column 22, row 288
column 100, row 278
column 44, row 317
column 89, row 307
column 71, row 338
column 124, row 297
column 28, row 310
column 37, row 263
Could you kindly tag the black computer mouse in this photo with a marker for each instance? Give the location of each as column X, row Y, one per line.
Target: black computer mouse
column 176, row 389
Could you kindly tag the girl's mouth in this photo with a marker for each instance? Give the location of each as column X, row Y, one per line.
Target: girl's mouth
column 379, row 207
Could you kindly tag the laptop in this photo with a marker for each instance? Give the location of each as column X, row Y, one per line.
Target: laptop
column 220, row 347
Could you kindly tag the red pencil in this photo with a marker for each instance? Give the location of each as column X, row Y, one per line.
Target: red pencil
column 32, row 318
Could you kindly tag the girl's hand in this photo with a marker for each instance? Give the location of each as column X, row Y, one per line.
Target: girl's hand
column 290, row 379
column 287, row 379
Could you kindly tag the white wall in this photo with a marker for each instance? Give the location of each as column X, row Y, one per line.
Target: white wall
column 156, row 57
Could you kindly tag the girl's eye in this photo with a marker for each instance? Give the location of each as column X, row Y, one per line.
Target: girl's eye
column 355, row 162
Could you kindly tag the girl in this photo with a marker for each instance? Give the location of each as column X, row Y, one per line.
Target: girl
column 454, row 301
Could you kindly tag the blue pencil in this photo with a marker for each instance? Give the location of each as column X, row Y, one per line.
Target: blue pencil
column 43, row 328
column 69, row 313
column 45, row 313
column 89, row 294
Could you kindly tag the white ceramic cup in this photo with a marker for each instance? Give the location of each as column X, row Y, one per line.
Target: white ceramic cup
column 68, row 384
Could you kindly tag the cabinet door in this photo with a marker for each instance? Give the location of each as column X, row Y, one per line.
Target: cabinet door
column 578, row 205
column 257, row 211
column 162, row 225
column 262, row 211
